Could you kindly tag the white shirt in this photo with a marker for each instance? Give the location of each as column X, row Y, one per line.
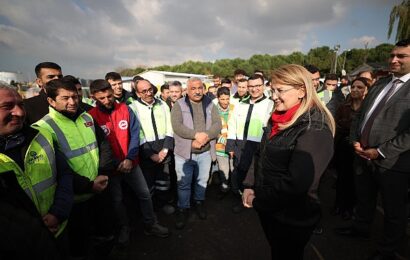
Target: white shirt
column 381, row 95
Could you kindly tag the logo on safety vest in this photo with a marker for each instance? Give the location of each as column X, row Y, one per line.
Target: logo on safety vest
column 106, row 130
column 34, row 157
column 123, row 124
column 88, row 124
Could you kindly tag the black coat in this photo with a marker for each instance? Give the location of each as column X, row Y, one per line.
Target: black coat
column 23, row 233
column 288, row 168
column 36, row 107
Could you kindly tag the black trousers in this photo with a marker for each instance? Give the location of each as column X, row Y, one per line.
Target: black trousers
column 157, row 177
column 345, row 187
column 286, row 242
column 244, row 152
column 89, row 219
column 392, row 185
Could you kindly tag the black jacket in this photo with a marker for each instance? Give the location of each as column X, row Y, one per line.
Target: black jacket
column 288, row 168
column 23, row 233
column 36, row 107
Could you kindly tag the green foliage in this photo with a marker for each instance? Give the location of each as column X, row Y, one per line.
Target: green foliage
column 401, row 13
column 322, row 57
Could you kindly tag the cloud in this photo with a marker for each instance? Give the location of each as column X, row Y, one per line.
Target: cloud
column 88, row 38
column 369, row 41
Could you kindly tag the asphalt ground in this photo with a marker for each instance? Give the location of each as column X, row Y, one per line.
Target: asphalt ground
column 225, row 235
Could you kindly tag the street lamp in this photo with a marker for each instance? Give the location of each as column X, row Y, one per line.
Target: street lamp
column 336, row 49
column 344, row 60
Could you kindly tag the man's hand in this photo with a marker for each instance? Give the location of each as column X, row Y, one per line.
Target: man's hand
column 201, row 138
column 155, row 158
column 368, row 154
column 100, row 183
column 196, row 144
column 51, row 222
column 231, row 155
column 162, row 154
column 125, row 166
column 247, row 198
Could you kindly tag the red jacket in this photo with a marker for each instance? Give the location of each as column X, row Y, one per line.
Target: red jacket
column 116, row 125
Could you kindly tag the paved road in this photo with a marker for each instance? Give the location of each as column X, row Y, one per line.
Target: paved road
column 225, row 235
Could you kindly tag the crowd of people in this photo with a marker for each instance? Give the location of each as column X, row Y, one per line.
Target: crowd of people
column 64, row 158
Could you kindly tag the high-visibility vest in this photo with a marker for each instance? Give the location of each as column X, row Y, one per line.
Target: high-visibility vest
column 39, row 178
column 77, row 142
column 248, row 120
column 155, row 120
column 325, row 96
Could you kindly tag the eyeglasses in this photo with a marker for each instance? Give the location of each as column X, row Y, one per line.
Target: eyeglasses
column 145, row 91
column 280, row 92
column 255, row 86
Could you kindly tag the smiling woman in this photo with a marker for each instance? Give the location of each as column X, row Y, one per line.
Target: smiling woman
column 289, row 163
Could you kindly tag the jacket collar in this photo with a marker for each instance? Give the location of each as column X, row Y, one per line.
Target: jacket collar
column 156, row 102
column 248, row 100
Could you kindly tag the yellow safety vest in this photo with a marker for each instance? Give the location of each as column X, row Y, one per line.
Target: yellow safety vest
column 39, row 179
column 77, row 141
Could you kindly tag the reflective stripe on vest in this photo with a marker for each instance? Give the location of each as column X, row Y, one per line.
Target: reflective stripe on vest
column 65, row 147
column 47, row 183
column 7, row 164
column 39, row 179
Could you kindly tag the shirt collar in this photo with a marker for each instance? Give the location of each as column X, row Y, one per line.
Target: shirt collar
column 403, row 79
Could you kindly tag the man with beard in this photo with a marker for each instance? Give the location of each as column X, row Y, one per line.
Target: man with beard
column 123, row 132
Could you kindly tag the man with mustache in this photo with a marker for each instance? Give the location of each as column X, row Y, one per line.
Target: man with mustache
column 196, row 124
column 35, row 186
column 86, row 151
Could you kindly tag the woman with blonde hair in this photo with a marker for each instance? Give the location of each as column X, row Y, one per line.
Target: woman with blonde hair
column 294, row 153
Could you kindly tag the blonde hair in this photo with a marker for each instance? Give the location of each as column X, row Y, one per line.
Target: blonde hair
column 298, row 77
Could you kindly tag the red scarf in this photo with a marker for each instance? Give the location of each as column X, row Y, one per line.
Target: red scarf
column 279, row 117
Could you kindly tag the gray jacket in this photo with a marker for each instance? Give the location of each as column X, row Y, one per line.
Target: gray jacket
column 390, row 131
column 182, row 145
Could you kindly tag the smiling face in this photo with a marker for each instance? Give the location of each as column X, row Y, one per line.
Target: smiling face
column 223, row 101
column 255, row 88
column 12, row 112
column 242, row 88
column 286, row 96
column 116, row 86
column 145, row 91
column 399, row 61
column 358, row 90
column 66, row 101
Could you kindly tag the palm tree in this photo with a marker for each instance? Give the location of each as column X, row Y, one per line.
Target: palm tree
column 401, row 13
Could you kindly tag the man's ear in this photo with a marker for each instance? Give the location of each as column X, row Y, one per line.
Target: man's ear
column 51, row 102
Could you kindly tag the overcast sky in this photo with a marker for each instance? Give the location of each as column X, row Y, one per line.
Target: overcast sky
column 89, row 38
